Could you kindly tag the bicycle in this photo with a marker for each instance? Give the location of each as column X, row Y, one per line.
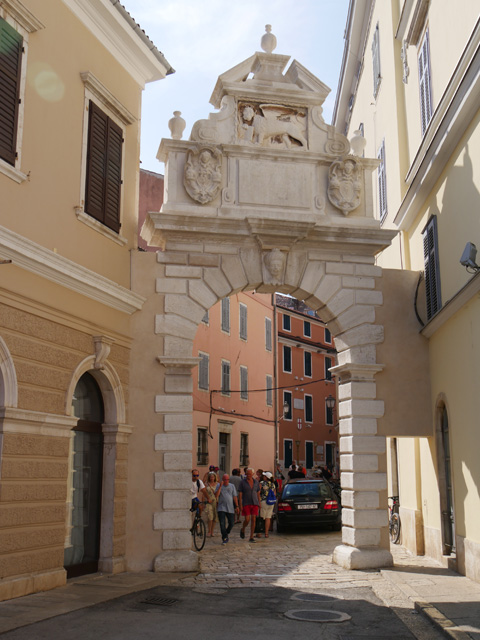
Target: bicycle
column 394, row 524
column 198, row 530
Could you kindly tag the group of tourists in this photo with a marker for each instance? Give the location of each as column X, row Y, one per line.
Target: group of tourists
column 251, row 494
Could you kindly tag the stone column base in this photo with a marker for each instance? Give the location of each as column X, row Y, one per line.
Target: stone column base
column 176, row 562
column 367, row 558
column 112, row 565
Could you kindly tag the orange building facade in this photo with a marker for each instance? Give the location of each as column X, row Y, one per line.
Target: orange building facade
column 308, row 431
column 233, row 390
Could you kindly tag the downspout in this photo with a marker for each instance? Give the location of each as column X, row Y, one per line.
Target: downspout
column 275, row 376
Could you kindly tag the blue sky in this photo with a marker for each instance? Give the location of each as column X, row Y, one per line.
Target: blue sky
column 202, row 39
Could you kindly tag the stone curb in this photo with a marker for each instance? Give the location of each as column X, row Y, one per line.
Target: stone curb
column 441, row 622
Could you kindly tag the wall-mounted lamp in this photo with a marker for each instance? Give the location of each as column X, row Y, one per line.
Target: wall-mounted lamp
column 468, row 258
column 330, row 402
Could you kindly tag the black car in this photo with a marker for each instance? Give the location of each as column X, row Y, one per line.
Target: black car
column 308, row 502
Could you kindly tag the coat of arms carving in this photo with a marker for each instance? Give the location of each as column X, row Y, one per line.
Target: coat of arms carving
column 203, row 173
column 345, row 185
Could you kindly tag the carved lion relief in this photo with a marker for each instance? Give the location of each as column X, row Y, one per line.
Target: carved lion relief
column 272, row 125
column 203, row 173
column 345, row 185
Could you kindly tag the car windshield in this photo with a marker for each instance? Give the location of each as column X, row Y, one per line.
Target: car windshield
column 314, row 489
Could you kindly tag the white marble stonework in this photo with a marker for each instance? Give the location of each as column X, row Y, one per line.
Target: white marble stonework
column 271, row 226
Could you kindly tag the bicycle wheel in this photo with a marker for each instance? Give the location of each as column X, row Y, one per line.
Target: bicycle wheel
column 395, row 528
column 199, row 534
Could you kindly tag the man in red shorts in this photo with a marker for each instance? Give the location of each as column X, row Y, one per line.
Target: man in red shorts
column 249, row 501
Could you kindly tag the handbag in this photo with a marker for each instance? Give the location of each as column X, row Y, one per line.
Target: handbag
column 271, row 497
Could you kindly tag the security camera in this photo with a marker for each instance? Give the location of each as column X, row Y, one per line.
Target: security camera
column 468, row 257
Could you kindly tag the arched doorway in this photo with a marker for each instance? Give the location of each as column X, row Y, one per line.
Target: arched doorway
column 82, row 545
column 445, row 482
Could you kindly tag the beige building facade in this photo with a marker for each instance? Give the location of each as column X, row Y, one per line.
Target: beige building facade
column 410, row 86
column 69, row 155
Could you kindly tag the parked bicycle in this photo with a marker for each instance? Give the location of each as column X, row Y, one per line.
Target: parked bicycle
column 198, row 530
column 394, row 524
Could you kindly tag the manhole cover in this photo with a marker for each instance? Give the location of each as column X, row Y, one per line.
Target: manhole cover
column 317, row 615
column 313, row 597
column 158, row 600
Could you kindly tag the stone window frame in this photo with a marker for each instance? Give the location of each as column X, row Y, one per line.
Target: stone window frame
column 284, row 352
column 329, row 339
column 310, row 396
column 96, row 92
column 284, row 322
column 306, row 324
column 307, row 355
column 288, row 394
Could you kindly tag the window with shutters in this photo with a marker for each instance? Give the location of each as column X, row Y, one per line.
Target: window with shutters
column 328, row 364
column 243, row 383
column 328, row 336
column 243, row 321
column 268, row 334
column 287, row 405
column 286, row 322
column 225, row 377
column 203, row 371
column 225, row 311
column 377, row 78
column 11, row 47
column 307, row 364
column 269, row 390
column 432, row 271
column 104, row 168
column 287, row 359
column 382, row 182
column 424, row 79
column 308, row 408
column 202, row 446
column 328, row 415
column 307, row 329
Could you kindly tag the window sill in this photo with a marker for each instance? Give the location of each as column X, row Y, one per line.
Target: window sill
column 98, row 226
column 11, row 172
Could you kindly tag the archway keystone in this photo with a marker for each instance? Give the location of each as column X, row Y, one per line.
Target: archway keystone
column 282, row 207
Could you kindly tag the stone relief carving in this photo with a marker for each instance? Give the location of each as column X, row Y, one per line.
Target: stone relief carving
column 203, row 173
column 272, row 125
column 274, row 262
column 345, row 184
column 337, row 144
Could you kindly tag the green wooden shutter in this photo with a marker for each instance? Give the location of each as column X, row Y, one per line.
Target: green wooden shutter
column 11, row 47
column 432, row 268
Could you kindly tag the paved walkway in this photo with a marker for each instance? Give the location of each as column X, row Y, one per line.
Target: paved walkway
column 300, row 561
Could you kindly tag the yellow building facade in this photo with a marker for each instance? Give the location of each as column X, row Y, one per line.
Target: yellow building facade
column 409, row 94
column 69, row 156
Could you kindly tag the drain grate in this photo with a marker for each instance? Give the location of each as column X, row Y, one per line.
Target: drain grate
column 158, row 600
column 317, row 615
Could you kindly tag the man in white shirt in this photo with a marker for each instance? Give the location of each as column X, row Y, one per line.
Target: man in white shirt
column 197, row 486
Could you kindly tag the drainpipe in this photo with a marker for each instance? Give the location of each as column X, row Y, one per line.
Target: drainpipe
column 275, row 376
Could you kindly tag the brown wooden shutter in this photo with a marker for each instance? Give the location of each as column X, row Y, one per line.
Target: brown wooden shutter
column 11, row 47
column 104, row 168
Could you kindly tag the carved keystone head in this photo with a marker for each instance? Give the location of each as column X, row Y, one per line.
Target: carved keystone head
column 274, row 261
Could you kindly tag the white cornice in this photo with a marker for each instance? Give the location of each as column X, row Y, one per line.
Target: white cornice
column 108, row 25
column 104, row 95
column 459, row 300
column 45, row 263
column 451, row 119
column 22, row 15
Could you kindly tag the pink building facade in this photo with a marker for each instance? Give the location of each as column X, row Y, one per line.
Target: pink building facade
column 233, row 398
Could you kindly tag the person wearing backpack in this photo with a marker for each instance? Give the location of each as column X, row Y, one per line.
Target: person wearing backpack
column 268, row 497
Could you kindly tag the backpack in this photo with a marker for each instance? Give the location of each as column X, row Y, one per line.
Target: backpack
column 271, row 497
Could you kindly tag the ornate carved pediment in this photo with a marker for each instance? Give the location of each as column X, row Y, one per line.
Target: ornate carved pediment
column 345, row 184
column 203, row 173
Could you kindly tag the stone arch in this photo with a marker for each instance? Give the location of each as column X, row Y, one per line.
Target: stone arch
column 341, row 287
column 8, row 378
column 110, row 386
